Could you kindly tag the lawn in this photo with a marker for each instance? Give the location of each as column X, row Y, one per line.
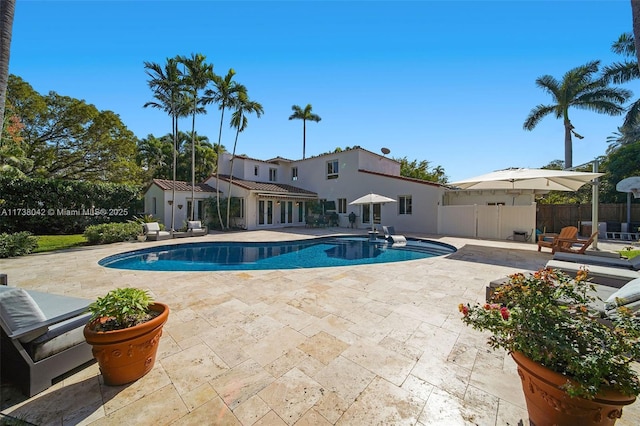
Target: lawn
column 58, row 242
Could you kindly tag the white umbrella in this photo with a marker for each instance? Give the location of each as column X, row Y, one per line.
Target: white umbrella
column 372, row 199
column 536, row 179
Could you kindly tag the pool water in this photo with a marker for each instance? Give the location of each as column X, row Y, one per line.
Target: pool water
column 233, row 256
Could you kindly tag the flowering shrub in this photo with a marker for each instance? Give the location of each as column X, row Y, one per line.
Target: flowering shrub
column 546, row 317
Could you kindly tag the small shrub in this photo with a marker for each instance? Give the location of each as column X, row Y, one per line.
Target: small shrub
column 17, row 244
column 106, row 233
column 121, row 308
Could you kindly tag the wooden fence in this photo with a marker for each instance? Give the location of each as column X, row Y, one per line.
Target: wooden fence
column 553, row 217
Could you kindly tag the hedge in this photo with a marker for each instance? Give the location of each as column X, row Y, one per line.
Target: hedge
column 53, row 207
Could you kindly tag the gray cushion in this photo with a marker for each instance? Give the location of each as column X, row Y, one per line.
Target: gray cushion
column 62, row 336
column 627, row 296
column 19, row 310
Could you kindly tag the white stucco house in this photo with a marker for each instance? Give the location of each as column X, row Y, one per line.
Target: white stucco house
column 275, row 193
column 278, row 192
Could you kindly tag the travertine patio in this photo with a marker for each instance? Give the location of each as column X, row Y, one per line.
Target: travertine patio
column 360, row 345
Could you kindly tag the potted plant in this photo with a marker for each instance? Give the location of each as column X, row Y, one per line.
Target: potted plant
column 124, row 330
column 568, row 358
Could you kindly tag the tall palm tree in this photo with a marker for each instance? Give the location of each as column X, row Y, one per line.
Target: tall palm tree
column 623, row 72
column 224, row 94
column 578, row 89
column 7, row 10
column 239, row 120
column 304, row 115
column 197, row 76
column 167, row 85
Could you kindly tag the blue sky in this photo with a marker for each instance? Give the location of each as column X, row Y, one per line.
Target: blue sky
column 450, row 82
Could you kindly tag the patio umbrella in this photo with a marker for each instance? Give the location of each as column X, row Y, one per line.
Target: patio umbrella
column 372, row 199
column 535, row 179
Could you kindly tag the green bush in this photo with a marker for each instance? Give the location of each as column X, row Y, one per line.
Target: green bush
column 17, row 244
column 106, row 233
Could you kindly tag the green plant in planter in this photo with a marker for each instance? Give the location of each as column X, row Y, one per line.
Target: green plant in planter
column 121, row 308
column 546, row 317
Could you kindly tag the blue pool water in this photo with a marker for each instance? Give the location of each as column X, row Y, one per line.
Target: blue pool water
column 233, row 256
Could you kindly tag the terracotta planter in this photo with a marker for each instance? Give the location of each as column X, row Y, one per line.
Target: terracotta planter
column 128, row 354
column 547, row 404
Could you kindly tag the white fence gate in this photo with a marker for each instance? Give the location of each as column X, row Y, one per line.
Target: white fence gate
column 490, row 222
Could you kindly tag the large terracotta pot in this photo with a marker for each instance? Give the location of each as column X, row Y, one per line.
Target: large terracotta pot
column 548, row 404
column 128, row 354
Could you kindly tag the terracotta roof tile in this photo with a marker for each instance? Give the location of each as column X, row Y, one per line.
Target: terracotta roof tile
column 166, row 184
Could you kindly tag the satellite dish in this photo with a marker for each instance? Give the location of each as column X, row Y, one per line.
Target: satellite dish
column 385, row 151
column 630, row 184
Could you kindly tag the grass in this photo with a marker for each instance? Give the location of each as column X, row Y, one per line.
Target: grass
column 59, row 242
column 630, row 253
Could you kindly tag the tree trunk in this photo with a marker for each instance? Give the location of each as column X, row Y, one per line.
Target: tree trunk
column 233, row 155
column 635, row 13
column 7, row 9
column 568, row 145
column 304, row 137
column 218, row 169
column 193, row 160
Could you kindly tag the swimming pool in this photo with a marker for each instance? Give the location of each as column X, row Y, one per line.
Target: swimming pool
column 234, row 256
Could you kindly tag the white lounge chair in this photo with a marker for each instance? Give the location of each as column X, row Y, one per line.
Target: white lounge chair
column 390, row 235
column 41, row 337
column 153, row 232
column 195, row 228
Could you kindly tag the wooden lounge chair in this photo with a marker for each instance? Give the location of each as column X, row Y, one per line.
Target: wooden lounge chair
column 549, row 240
column 567, row 244
column 41, row 337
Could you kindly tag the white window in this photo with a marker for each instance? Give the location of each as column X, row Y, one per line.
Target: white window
column 342, row 205
column 273, row 175
column 294, row 173
column 332, row 169
column 404, row 204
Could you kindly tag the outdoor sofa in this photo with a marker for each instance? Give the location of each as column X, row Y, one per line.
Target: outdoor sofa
column 196, row 229
column 153, row 232
column 42, row 337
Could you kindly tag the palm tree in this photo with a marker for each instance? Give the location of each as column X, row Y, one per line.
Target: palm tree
column 239, row 120
column 623, row 72
column 7, row 10
column 577, row 89
column 224, row 94
column 304, row 115
column 197, row 77
column 166, row 85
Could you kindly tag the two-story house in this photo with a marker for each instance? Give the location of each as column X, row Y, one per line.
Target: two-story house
column 277, row 192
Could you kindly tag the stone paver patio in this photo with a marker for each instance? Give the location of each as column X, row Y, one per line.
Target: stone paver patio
column 359, row 345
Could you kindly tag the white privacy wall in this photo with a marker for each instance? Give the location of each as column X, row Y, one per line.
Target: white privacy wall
column 490, row 222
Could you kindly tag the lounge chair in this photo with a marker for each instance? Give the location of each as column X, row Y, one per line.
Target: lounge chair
column 605, row 275
column 195, row 228
column 153, row 232
column 41, row 337
column 549, row 240
column 390, row 235
column 568, row 244
column 617, row 262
